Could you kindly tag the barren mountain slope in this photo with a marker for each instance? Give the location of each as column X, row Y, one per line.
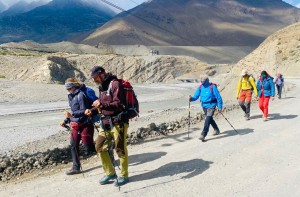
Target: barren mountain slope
column 197, row 22
column 138, row 69
column 281, row 49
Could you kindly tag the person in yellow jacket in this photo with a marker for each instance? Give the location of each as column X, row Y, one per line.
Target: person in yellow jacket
column 246, row 86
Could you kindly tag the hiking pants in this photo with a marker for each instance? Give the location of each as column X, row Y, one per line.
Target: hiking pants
column 245, row 100
column 84, row 132
column 279, row 90
column 119, row 134
column 264, row 104
column 209, row 120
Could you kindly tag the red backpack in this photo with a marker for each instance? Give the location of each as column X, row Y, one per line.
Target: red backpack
column 131, row 103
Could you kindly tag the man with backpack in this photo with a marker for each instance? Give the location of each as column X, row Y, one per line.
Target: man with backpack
column 245, row 88
column 210, row 98
column 82, row 128
column 279, row 82
column 114, row 124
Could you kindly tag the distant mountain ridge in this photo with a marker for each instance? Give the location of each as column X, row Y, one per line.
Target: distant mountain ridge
column 56, row 21
column 22, row 7
column 197, row 22
column 2, row 7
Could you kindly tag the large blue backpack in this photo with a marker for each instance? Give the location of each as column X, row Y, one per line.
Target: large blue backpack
column 90, row 94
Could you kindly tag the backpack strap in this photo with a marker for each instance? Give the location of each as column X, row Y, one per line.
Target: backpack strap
column 210, row 87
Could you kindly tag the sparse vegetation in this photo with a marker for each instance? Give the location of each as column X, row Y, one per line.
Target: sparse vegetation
column 284, row 58
column 2, row 76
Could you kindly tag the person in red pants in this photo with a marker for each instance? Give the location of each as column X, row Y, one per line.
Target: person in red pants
column 266, row 90
column 82, row 127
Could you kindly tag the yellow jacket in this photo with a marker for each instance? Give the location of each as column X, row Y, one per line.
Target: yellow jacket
column 246, row 84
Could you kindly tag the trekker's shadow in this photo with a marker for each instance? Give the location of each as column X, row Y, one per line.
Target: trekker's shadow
column 231, row 133
column 138, row 159
column 277, row 116
column 193, row 167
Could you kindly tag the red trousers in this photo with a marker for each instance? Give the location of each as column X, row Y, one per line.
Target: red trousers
column 264, row 104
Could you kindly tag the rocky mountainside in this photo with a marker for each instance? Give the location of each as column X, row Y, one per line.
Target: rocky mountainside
column 280, row 52
column 197, row 22
column 138, row 69
column 58, row 20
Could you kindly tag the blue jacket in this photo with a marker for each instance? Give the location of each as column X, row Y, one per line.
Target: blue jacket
column 266, row 86
column 78, row 103
column 209, row 98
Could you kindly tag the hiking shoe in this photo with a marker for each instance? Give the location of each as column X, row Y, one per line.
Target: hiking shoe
column 201, row 138
column 216, row 132
column 247, row 116
column 106, row 179
column 72, row 171
column 121, row 181
column 266, row 119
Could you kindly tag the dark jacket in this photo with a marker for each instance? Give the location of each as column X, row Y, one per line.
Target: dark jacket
column 111, row 97
column 78, row 103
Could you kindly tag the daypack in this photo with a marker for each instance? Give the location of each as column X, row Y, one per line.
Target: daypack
column 131, row 102
column 90, row 94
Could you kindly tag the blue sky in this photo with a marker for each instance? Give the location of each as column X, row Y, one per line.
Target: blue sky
column 127, row 4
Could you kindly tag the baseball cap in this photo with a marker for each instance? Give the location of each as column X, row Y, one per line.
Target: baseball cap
column 96, row 70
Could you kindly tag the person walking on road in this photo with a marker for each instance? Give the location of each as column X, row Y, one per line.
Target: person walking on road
column 210, row 98
column 246, row 86
column 114, row 127
column 82, row 128
column 279, row 82
column 266, row 90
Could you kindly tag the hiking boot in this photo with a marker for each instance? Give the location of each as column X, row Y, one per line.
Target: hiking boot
column 121, row 181
column 106, row 179
column 201, row 138
column 247, row 116
column 266, row 119
column 72, row 171
column 216, row 132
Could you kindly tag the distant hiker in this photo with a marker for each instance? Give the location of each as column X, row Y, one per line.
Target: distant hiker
column 210, row 98
column 279, row 82
column 110, row 105
column 245, row 88
column 266, row 89
column 82, row 128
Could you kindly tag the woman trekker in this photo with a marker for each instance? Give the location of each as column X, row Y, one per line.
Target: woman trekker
column 266, row 90
column 81, row 127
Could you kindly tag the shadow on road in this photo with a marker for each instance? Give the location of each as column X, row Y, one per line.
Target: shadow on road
column 290, row 97
column 232, row 133
column 138, row 159
column 193, row 167
column 278, row 116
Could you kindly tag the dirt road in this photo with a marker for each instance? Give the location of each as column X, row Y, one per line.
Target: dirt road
column 262, row 160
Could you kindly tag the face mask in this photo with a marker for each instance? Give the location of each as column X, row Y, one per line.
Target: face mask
column 263, row 76
column 203, row 81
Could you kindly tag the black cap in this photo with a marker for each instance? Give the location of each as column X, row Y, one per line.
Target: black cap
column 96, row 70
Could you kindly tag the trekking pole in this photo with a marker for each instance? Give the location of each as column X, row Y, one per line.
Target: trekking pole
column 229, row 123
column 110, row 149
column 189, row 123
